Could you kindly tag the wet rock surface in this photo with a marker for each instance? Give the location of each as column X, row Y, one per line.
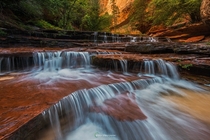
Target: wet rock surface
column 193, row 39
column 24, row 98
column 194, row 64
column 122, row 107
column 178, row 48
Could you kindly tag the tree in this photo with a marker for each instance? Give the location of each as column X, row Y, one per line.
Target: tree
column 169, row 11
column 147, row 13
column 92, row 20
column 66, row 14
column 115, row 13
column 140, row 16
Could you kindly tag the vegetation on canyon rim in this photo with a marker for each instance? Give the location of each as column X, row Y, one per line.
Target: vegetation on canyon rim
column 85, row 14
column 49, row 14
column 147, row 13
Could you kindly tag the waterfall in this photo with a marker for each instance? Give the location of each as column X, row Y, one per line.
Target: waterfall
column 148, row 92
column 118, row 38
column 152, row 39
column 12, row 64
column 114, row 38
column 105, row 37
column 78, row 104
column 1, row 58
column 133, row 39
column 124, row 66
column 95, row 37
column 149, row 67
column 54, row 61
column 159, row 67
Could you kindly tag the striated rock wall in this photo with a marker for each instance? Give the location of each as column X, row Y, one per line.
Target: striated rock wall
column 205, row 11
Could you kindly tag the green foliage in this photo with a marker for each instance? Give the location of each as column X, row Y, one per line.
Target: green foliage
column 66, row 14
column 105, row 22
column 2, row 33
column 140, row 17
column 30, row 8
column 168, row 11
column 45, row 25
column 164, row 12
column 186, row 66
column 92, row 20
column 115, row 13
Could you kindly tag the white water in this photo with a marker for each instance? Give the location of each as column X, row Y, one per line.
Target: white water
column 71, row 119
column 54, row 61
column 164, row 121
column 95, row 37
column 105, row 37
column 160, row 68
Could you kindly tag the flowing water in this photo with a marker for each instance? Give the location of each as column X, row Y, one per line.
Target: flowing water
column 154, row 88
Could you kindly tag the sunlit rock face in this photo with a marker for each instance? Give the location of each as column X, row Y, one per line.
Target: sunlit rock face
column 205, row 11
column 124, row 6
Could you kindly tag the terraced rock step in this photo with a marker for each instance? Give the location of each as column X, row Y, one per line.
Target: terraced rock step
column 178, row 48
column 119, row 107
column 195, row 64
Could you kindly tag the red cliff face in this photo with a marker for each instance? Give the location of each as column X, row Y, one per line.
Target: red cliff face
column 124, row 11
column 125, row 7
column 205, row 11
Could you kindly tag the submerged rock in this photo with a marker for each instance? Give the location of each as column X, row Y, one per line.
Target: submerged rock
column 122, row 107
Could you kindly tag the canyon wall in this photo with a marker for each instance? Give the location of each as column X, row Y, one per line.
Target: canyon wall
column 205, row 11
column 125, row 7
column 122, row 25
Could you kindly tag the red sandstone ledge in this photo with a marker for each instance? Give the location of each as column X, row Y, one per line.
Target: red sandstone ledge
column 122, row 107
column 23, row 99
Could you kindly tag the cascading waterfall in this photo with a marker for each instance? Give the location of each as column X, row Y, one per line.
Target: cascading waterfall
column 148, row 92
column 114, row 38
column 159, row 67
column 118, row 38
column 47, row 61
column 79, row 103
column 72, row 118
column 95, row 37
column 7, row 64
column 0, row 63
column 124, row 66
column 105, row 37
column 12, row 64
column 152, row 39
column 54, row 61
column 133, row 39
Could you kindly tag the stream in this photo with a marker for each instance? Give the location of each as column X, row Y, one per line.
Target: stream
column 153, row 104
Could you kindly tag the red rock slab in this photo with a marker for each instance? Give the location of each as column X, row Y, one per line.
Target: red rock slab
column 177, row 36
column 193, row 39
column 22, row 98
column 122, row 107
